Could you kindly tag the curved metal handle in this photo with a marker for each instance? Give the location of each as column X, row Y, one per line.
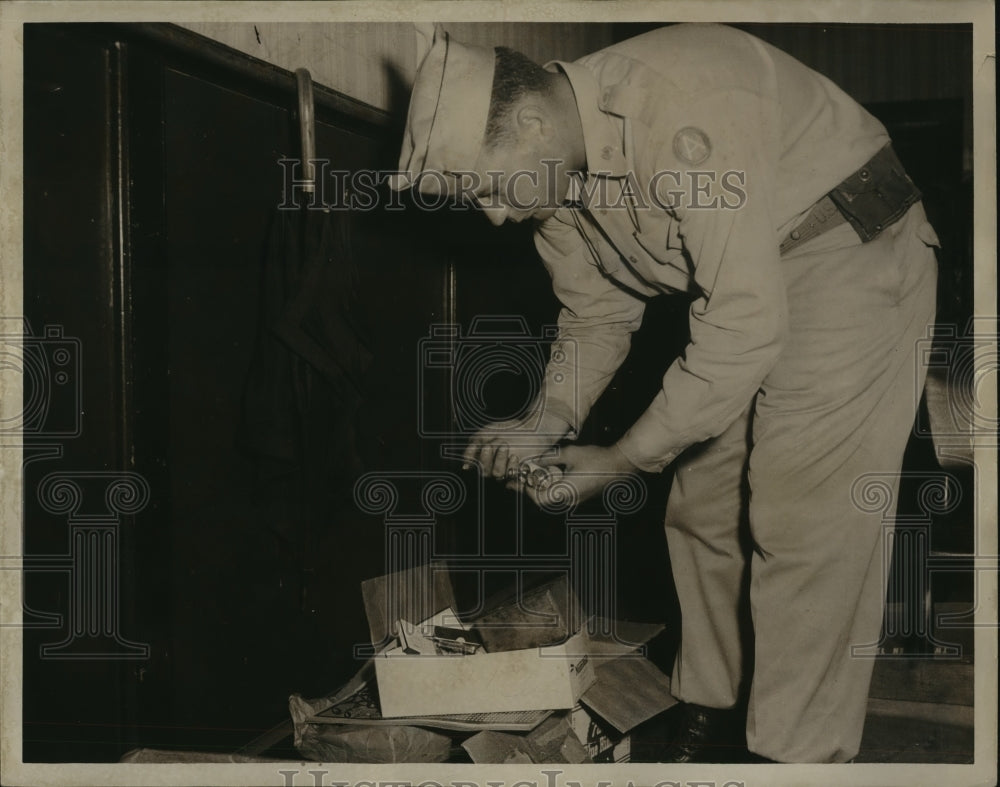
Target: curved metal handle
column 307, row 127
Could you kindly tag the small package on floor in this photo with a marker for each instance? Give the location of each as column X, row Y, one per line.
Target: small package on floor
column 602, row 742
column 628, row 690
column 429, row 662
column 553, row 741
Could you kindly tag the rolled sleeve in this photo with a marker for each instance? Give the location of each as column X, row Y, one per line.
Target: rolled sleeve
column 595, row 324
column 739, row 321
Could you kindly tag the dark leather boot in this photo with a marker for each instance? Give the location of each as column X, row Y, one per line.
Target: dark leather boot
column 706, row 735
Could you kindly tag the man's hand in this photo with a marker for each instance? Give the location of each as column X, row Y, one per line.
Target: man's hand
column 587, row 468
column 500, row 448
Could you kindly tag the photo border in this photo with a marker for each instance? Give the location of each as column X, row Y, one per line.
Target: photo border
column 14, row 14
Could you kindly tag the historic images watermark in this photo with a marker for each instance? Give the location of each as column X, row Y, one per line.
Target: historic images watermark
column 464, row 364
column 412, row 505
column 316, row 777
column 908, row 539
column 523, row 190
column 94, row 504
column 955, row 376
column 960, row 364
column 460, row 368
column 47, row 365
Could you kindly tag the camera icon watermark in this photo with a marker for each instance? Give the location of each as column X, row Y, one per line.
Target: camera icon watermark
column 48, row 368
column 496, row 372
column 961, row 371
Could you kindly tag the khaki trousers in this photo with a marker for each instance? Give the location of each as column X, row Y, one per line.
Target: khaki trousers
column 765, row 510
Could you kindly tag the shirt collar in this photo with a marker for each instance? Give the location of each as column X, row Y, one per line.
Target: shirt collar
column 602, row 132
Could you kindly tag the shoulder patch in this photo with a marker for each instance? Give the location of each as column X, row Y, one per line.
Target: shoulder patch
column 692, row 145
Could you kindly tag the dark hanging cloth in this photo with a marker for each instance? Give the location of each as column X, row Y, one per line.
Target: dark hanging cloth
column 305, row 383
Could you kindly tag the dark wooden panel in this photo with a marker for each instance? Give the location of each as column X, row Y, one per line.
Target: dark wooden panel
column 253, row 618
column 72, row 703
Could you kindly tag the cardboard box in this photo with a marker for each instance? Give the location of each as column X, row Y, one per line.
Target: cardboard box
column 603, row 742
column 629, row 690
column 549, row 678
column 542, row 678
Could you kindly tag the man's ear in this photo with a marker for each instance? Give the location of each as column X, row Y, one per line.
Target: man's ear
column 533, row 120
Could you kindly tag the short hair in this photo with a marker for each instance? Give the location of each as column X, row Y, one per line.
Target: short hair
column 514, row 77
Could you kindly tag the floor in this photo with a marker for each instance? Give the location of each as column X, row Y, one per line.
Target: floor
column 914, row 740
column 920, row 710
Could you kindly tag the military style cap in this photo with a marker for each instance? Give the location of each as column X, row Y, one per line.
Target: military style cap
column 449, row 107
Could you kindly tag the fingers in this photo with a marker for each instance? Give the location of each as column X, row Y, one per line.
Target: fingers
column 544, row 495
column 501, row 457
column 480, row 451
column 471, row 454
column 565, row 458
column 487, row 457
column 496, row 455
column 538, row 490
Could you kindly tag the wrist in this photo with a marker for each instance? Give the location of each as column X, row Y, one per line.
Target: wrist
column 643, row 452
column 621, row 460
column 553, row 426
column 555, row 418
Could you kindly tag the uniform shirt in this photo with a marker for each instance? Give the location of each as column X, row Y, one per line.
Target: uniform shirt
column 704, row 147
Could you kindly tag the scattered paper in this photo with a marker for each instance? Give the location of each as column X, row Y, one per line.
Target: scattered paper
column 446, row 617
column 412, row 639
